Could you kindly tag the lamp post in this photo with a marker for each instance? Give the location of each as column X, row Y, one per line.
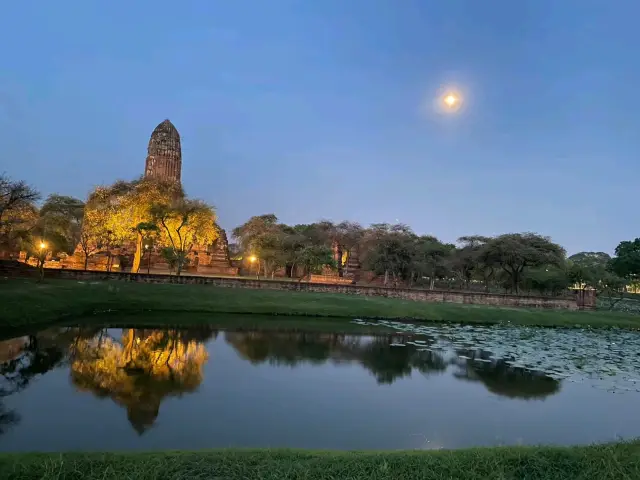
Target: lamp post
column 41, row 257
column 146, row 247
column 253, row 259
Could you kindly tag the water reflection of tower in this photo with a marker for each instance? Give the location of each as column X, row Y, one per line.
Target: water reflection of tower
column 141, row 370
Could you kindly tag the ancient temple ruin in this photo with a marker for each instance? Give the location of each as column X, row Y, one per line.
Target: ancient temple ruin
column 164, row 154
column 163, row 163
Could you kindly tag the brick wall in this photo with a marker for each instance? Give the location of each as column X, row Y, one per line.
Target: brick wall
column 580, row 300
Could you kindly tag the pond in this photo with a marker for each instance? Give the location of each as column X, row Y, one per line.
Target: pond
column 396, row 386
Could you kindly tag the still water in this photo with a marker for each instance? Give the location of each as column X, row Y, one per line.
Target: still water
column 130, row 388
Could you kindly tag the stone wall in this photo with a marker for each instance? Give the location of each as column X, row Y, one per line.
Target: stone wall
column 580, row 300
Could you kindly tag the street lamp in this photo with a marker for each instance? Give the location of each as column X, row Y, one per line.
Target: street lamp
column 146, row 248
column 41, row 258
column 253, row 259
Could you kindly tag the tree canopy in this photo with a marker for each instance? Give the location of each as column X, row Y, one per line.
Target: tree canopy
column 18, row 213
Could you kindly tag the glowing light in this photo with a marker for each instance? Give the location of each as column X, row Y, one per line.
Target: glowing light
column 43, row 245
column 252, row 258
column 450, row 100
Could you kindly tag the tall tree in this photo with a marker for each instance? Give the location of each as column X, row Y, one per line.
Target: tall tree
column 514, row 252
column 626, row 263
column 313, row 258
column 431, row 257
column 63, row 216
column 17, row 212
column 91, row 236
column 588, row 269
column 249, row 233
column 261, row 236
column 389, row 250
column 182, row 225
column 124, row 205
column 466, row 260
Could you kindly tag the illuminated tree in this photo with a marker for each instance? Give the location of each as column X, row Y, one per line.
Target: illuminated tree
column 182, row 225
column 18, row 213
column 17, row 227
column 261, row 236
column 118, row 209
column 89, row 238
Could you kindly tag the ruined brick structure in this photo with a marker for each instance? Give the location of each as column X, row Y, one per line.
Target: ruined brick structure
column 163, row 163
column 215, row 260
column 164, row 154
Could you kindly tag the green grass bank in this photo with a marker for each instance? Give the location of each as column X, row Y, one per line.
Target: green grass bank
column 603, row 462
column 24, row 302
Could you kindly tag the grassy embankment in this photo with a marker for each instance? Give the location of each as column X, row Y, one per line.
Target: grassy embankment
column 24, row 303
column 603, row 462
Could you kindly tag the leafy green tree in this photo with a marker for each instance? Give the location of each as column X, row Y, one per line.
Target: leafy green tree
column 389, row 251
column 613, row 288
column 292, row 244
column 63, row 216
column 466, row 261
column 313, row 258
column 430, row 258
column 261, row 236
column 249, row 234
column 513, row 252
column 547, row 280
column 588, row 269
column 626, row 263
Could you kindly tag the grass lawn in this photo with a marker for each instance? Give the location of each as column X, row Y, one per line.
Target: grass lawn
column 24, row 302
column 603, row 462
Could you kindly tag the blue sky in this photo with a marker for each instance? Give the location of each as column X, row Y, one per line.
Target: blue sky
column 323, row 109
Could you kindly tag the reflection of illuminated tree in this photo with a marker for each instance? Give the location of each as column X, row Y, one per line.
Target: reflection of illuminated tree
column 140, row 371
column 376, row 354
column 502, row 379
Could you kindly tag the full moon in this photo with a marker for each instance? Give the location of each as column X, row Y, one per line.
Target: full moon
column 450, row 100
